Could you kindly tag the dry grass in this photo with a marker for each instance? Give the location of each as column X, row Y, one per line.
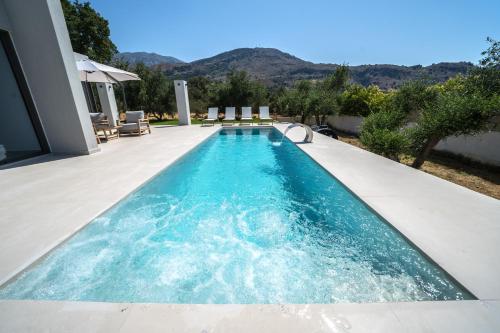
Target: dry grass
column 474, row 176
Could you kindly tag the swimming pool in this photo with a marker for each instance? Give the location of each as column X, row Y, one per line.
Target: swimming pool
column 237, row 220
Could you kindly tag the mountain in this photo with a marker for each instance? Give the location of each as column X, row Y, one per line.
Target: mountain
column 149, row 59
column 274, row 67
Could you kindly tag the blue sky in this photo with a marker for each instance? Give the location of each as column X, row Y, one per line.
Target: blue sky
column 353, row 32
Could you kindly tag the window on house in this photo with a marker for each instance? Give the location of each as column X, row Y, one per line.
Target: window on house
column 21, row 135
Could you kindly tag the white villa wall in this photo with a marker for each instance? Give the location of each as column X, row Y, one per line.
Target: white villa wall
column 484, row 147
column 41, row 40
column 349, row 124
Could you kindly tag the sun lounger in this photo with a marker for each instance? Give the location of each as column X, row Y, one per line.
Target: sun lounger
column 229, row 115
column 264, row 115
column 213, row 116
column 246, row 115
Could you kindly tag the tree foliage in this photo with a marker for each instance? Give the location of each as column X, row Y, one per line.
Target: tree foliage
column 88, row 31
column 316, row 99
column 201, row 91
column 491, row 55
column 381, row 133
column 154, row 93
column 357, row 100
column 240, row 90
column 485, row 79
column 453, row 114
column 413, row 97
column 465, row 105
column 461, row 106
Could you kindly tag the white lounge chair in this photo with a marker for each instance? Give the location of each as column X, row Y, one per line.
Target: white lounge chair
column 246, row 115
column 213, row 116
column 229, row 115
column 264, row 115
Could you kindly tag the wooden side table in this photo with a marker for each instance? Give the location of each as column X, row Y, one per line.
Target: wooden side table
column 109, row 134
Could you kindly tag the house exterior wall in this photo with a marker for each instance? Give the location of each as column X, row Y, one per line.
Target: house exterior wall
column 40, row 37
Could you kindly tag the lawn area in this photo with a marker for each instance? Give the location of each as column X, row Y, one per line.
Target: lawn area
column 476, row 177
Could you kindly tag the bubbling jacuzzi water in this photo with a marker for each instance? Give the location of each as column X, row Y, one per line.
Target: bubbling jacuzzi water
column 238, row 220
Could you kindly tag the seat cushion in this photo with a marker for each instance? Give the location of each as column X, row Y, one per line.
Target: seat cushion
column 102, row 126
column 134, row 116
column 96, row 117
column 129, row 127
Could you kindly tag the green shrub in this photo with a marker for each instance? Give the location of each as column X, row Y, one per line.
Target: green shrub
column 381, row 134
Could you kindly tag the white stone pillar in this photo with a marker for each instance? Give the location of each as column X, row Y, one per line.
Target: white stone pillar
column 108, row 102
column 181, row 96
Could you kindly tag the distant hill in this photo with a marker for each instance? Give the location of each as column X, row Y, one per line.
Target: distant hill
column 274, row 67
column 149, row 59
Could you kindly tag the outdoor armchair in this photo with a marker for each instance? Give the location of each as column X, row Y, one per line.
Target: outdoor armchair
column 135, row 123
column 102, row 127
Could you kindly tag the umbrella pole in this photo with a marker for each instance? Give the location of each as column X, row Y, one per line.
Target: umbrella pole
column 89, row 86
column 93, row 97
column 124, row 97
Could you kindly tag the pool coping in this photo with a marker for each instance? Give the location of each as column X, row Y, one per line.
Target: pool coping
column 482, row 314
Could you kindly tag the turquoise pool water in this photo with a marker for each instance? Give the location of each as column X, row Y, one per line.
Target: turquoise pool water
column 237, row 220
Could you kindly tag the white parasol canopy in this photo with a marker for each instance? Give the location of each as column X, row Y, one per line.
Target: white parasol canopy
column 91, row 71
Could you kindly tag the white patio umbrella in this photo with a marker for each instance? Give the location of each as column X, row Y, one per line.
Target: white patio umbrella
column 91, row 71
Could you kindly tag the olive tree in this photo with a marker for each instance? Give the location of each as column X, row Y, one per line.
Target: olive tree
column 465, row 106
column 295, row 100
column 317, row 99
column 154, row 93
column 240, row 90
column 384, row 132
column 454, row 114
column 199, row 90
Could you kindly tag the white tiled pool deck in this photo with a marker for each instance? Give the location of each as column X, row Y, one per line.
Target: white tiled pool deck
column 46, row 200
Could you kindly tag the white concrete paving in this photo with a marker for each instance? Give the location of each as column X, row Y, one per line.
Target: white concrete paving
column 453, row 317
column 46, row 200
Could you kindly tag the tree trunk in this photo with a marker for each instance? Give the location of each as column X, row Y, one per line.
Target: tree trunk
column 395, row 158
column 158, row 116
column 303, row 118
column 424, row 153
column 323, row 119
column 316, row 117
